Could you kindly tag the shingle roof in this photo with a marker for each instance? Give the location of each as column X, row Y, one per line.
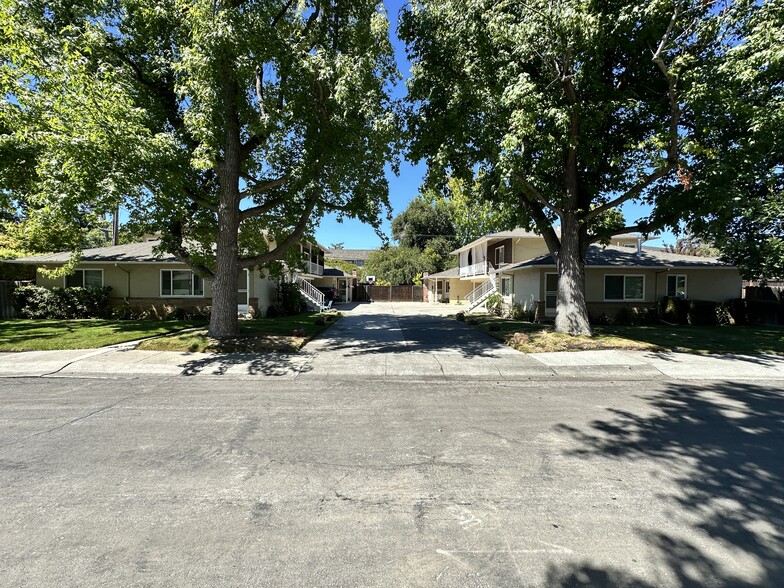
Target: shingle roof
column 450, row 273
column 526, row 234
column 130, row 253
column 335, row 272
column 346, row 254
column 614, row 256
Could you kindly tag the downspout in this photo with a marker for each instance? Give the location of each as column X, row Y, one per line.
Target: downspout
column 128, row 288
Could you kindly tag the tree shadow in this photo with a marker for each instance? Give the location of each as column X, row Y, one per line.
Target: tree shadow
column 271, row 364
column 721, row 444
column 417, row 333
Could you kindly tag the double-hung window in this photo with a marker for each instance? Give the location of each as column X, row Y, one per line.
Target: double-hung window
column 92, row 278
column 506, row 286
column 181, row 283
column 676, row 286
column 624, row 288
column 499, row 256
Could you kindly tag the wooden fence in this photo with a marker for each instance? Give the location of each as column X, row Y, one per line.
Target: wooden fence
column 6, row 308
column 367, row 293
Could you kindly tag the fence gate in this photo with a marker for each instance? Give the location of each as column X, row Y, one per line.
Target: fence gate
column 6, row 308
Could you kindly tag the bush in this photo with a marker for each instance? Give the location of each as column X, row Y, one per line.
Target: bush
column 518, row 313
column 62, row 303
column 762, row 311
column 495, row 303
column 675, row 310
column 494, row 327
column 701, row 312
column 290, row 300
column 460, row 316
column 123, row 312
column 319, row 322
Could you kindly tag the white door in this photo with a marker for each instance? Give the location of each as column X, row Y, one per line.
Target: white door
column 243, row 291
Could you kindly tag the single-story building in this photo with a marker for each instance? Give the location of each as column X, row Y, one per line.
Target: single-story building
column 142, row 277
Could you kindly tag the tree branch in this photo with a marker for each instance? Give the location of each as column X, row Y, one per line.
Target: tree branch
column 255, row 211
column 641, row 227
column 542, row 223
column 294, row 237
column 281, row 14
column 534, row 191
column 632, row 193
column 672, row 84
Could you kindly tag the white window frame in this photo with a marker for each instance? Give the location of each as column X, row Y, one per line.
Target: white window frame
column 624, row 299
column 502, row 249
column 193, row 289
column 82, row 269
column 547, row 292
column 685, row 284
column 509, row 280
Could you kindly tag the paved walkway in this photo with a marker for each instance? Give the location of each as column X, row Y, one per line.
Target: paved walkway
column 395, row 341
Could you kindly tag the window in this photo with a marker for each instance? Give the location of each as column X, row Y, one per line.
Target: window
column 506, row 286
column 624, row 288
column 550, row 291
column 499, row 256
column 85, row 279
column 676, row 286
column 181, row 283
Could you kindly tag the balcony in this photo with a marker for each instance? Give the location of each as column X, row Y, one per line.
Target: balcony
column 477, row 269
column 313, row 268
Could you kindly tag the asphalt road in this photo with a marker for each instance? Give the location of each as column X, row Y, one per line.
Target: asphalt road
column 334, row 481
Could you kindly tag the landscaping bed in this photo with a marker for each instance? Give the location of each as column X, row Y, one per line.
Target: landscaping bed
column 263, row 335
column 536, row 338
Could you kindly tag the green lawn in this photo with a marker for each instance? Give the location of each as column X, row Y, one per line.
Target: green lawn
column 744, row 339
column 41, row 334
column 534, row 338
column 256, row 335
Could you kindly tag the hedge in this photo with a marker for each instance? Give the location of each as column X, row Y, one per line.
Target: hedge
column 62, row 303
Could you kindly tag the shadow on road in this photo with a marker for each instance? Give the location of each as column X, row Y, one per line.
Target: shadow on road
column 722, row 444
column 255, row 365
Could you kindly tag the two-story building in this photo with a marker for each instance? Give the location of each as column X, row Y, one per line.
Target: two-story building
column 517, row 265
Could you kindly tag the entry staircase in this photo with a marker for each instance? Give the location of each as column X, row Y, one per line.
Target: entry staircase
column 481, row 293
column 312, row 294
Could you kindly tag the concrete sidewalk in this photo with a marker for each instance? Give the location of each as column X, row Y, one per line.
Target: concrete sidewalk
column 318, row 362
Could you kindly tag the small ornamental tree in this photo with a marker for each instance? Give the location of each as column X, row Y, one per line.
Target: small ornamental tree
column 230, row 127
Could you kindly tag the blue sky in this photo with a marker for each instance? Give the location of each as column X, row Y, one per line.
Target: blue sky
column 402, row 188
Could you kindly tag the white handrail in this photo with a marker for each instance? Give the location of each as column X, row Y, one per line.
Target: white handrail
column 310, row 291
column 480, row 292
column 476, row 269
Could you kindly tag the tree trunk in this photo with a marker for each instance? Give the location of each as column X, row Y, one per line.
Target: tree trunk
column 223, row 320
column 571, row 315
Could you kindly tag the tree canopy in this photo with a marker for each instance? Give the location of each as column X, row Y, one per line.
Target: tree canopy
column 567, row 110
column 228, row 127
column 398, row 265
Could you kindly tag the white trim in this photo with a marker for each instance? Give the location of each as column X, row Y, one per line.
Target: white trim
column 243, row 308
column 81, row 269
column 502, row 249
column 624, row 299
column 160, row 284
column 550, row 311
column 685, row 284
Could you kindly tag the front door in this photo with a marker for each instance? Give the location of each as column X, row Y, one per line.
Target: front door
column 243, row 291
column 550, row 294
column 343, row 292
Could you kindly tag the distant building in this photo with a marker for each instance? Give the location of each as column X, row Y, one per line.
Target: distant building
column 356, row 256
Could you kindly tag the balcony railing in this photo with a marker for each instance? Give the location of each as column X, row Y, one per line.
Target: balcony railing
column 313, row 268
column 477, row 269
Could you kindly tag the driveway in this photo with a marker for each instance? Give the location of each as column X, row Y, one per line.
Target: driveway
column 410, row 339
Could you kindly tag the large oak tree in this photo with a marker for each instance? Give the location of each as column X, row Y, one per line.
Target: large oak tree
column 568, row 109
column 229, row 126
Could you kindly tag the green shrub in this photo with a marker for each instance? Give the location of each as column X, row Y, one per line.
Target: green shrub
column 494, row 327
column 495, row 303
column 123, row 312
column 289, row 300
column 701, row 312
column 675, row 310
column 62, row 303
column 319, row 322
column 736, row 308
column 460, row 316
column 762, row 311
column 518, row 313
